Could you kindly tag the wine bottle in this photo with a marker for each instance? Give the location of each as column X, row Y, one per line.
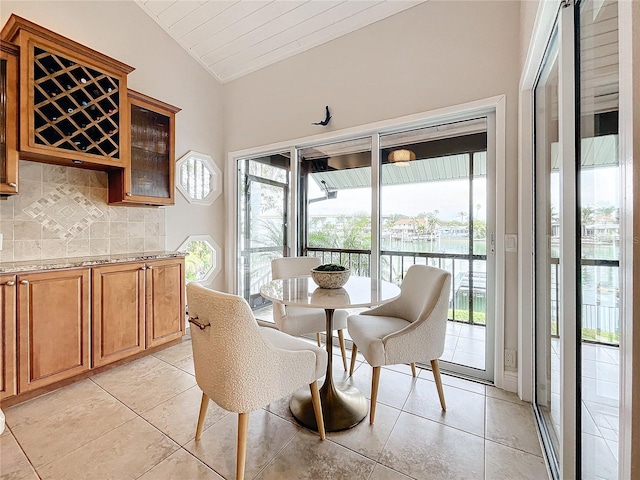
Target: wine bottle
column 70, row 110
column 109, row 89
column 83, row 80
column 84, row 104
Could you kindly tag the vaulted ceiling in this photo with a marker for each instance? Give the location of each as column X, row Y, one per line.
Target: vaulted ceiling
column 234, row 38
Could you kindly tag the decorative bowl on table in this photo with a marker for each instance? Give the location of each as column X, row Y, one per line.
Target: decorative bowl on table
column 330, row 275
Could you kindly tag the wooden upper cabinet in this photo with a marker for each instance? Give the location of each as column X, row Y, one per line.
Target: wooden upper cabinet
column 165, row 301
column 8, row 386
column 8, row 119
column 118, row 308
column 53, row 326
column 72, row 99
column 149, row 177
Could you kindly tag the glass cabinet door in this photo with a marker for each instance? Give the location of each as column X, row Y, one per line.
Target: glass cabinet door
column 150, row 167
column 148, row 179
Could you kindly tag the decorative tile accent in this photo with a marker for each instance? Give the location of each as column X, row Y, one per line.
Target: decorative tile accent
column 58, row 212
column 62, row 212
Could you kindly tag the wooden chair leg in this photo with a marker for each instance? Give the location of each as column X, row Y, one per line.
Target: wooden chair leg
column 317, row 408
column 243, row 427
column 204, row 404
column 319, row 339
column 436, row 376
column 413, row 369
column 343, row 349
column 374, row 393
column 354, row 352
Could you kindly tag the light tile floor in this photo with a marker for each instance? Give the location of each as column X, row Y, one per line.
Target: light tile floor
column 138, row 421
column 600, row 407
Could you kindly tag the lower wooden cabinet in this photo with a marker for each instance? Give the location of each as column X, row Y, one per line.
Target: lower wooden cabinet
column 136, row 306
column 117, row 312
column 60, row 323
column 8, row 384
column 53, row 327
column 165, row 301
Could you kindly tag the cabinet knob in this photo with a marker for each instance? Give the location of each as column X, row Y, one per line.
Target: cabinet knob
column 150, row 267
column 11, row 283
column 13, row 184
column 24, row 282
column 143, row 268
column 128, row 194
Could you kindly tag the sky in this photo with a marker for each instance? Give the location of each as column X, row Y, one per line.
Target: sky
column 449, row 198
column 599, row 187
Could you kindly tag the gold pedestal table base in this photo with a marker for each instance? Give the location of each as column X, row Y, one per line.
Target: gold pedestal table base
column 343, row 406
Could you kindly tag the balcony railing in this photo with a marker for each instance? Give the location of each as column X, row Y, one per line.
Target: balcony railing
column 468, row 290
column 600, row 312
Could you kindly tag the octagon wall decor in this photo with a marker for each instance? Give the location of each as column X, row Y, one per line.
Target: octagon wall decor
column 198, row 178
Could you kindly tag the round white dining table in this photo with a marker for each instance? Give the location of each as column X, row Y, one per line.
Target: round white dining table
column 343, row 406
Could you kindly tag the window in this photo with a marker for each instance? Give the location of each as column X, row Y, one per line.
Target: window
column 203, row 259
column 199, row 179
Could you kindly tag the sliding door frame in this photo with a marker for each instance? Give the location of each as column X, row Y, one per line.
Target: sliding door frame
column 568, row 321
column 629, row 120
column 490, row 106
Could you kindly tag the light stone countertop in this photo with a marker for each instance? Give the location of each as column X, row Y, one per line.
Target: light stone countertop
column 58, row 263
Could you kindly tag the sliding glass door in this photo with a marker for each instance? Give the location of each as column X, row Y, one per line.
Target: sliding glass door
column 577, row 199
column 599, row 208
column 547, row 225
column 433, row 211
column 335, row 203
column 359, row 202
column 263, row 187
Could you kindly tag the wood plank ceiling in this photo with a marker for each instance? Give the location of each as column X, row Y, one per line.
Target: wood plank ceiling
column 234, row 38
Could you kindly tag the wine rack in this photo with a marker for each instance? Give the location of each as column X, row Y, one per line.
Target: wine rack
column 149, row 179
column 8, row 119
column 72, row 100
column 75, row 107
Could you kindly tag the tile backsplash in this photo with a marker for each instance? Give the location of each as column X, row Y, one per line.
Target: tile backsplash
column 62, row 212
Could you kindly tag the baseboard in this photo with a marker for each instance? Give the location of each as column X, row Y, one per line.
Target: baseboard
column 510, row 382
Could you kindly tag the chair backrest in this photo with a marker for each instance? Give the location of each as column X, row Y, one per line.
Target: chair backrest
column 288, row 267
column 423, row 301
column 226, row 354
column 422, row 288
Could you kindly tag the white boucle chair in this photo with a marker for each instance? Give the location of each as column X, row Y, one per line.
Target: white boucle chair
column 409, row 329
column 300, row 320
column 243, row 367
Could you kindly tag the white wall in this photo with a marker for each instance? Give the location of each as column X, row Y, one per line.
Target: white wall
column 434, row 55
column 164, row 71
column 528, row 12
